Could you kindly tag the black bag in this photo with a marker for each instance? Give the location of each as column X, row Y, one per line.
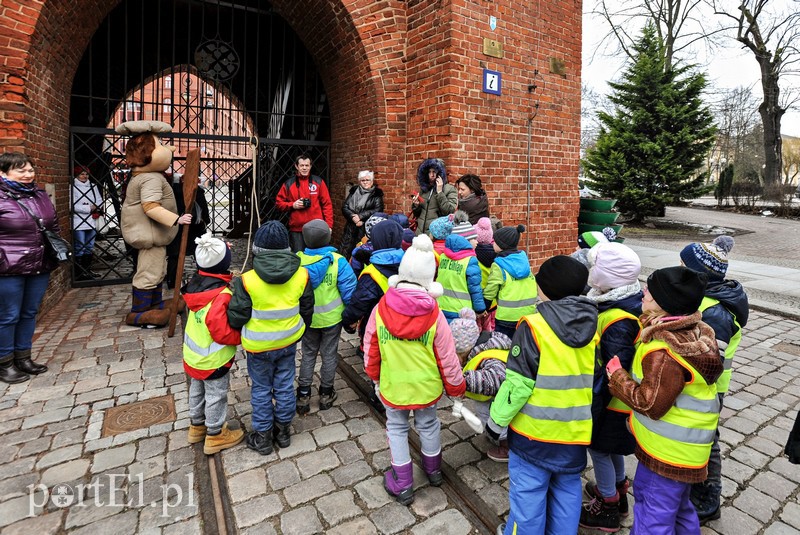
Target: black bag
column 55, row 246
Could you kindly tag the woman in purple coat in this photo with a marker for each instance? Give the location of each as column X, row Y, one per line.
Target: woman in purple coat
column 24, row 266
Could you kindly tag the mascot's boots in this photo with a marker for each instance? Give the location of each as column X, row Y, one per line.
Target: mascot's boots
column 144, row 313
column 432, row 465
column 399, row 482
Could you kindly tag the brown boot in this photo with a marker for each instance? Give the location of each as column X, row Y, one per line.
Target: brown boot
column 227, row 438
column 149, row 318
column 197, row 433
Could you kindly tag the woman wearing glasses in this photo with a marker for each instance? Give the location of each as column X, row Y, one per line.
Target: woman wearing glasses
column 363, row 200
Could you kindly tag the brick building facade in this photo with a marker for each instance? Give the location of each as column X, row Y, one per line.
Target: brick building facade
column 404, row 82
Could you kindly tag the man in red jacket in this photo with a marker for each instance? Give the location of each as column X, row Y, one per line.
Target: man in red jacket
column 305, row 197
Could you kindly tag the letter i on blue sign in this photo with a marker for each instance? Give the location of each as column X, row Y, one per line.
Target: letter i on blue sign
column 492, row 82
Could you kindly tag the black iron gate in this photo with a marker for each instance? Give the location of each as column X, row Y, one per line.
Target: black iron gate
column 232, row 78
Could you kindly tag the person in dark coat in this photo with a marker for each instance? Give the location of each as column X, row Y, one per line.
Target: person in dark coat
column 472, row 198
column 363, row 200
column 436, row 198
column 24, row 264
column 200, row 217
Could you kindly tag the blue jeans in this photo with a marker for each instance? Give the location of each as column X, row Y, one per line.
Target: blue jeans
column 84, row 241
column 272, row 377
column 535, row 490
column 661, row 505
column 21, row 297
column 609, row 469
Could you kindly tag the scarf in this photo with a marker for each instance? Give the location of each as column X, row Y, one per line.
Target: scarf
column 615, row 294
column 360, row 196
column 18, row 186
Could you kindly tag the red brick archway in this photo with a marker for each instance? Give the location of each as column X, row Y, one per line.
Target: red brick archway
column 404, row 83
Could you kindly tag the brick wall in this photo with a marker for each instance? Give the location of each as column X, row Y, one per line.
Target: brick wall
column 404, row 83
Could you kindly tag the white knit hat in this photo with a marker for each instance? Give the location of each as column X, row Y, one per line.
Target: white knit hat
column 211, row 252
column 613, row 265
column 418, row 266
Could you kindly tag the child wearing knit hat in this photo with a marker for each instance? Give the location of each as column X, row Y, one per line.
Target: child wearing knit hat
column 483, row 355
column 673, row 398
column 726, row 310
column 207, row 296
column 615, row 288
column 277, row 287
column 365, row 247
column 460, row 276
column 439, row 230
column 333, row 282
column 510, row 281
column 485, row 253
column 409, row 353
column 546, row 402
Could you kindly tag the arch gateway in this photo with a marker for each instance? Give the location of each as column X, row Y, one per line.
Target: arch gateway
column 492, row 87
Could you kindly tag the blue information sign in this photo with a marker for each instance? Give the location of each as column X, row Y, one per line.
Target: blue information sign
column 492, row 82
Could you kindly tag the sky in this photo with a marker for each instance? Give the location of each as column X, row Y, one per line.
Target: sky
column 729, row 67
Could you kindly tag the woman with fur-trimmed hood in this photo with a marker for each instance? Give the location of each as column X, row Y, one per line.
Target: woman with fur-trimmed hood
column 436, row 196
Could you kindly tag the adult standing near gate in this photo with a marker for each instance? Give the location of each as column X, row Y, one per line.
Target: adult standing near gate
column 24, row 266
column 363, row 200
column 436, row 197
column 85, row 202
column 304, row 197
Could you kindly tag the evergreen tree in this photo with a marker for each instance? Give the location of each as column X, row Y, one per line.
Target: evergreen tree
column 651, row 152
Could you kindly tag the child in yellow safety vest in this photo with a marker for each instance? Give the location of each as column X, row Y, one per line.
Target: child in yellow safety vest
column 510, row 281
column 410, row 355
column 546, row 402
column 272, row 304
column 614, row 282
column 459, row 273
column 672, row 393
column 483, row 356
column 725, row 309
column 333, row 281
column 209, row 346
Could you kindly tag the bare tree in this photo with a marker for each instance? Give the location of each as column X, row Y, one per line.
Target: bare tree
column 772, row 37
column 735, row 114
column 680, row 24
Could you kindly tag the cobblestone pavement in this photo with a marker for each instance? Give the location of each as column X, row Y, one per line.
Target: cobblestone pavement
column 329, row 480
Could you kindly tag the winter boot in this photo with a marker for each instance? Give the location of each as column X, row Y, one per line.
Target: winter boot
column 706, row 501
column 140, row 299
column 601, row 514
column 622, row 490
column 197, row 433
column 499, row 453
column 260, row 441
column 432, row 465
column 280, row 432
column 227, row 438
column 399, row 482
column 23, row 362
column 8, row 373
column 303, row 401
column 156, row 299
column 327, row 395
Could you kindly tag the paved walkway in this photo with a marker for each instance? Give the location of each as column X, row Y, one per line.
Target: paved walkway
column 329, row 481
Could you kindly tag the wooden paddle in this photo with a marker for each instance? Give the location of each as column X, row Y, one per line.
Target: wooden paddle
column 191, row 178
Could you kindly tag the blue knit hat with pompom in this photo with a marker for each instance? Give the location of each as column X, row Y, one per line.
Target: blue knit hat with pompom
column 709, row 258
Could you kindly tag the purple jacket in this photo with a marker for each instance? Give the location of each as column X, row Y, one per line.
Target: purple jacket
column 21, row 247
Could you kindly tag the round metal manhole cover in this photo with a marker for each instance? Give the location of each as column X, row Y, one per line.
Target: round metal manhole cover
column 139, row 415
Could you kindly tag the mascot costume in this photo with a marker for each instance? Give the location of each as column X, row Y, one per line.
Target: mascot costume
column 149, row 218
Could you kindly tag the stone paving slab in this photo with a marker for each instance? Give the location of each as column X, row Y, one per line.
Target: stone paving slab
column 330, row 479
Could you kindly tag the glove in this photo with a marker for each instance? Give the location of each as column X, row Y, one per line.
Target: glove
column 350, row 329
column 612, row 366
column 491, row 434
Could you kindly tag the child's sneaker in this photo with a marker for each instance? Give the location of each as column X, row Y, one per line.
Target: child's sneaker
column 260, row 441
column 326, row 398
column 303, row 401
column 622, row 489
column 227, row 438
column 197, row 433
column 499, row 454
column 602, row 514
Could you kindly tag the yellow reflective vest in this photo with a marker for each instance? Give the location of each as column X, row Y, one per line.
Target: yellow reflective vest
column 200, row 351
column 559, row 409
column 328, row 304
column 379, row 278
column 605, row 320
column 683, row 436
column 453, row 278
column 275, row 320
column 409, row 371
column 724, row 381
column 475, row 362
column 516, row 297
